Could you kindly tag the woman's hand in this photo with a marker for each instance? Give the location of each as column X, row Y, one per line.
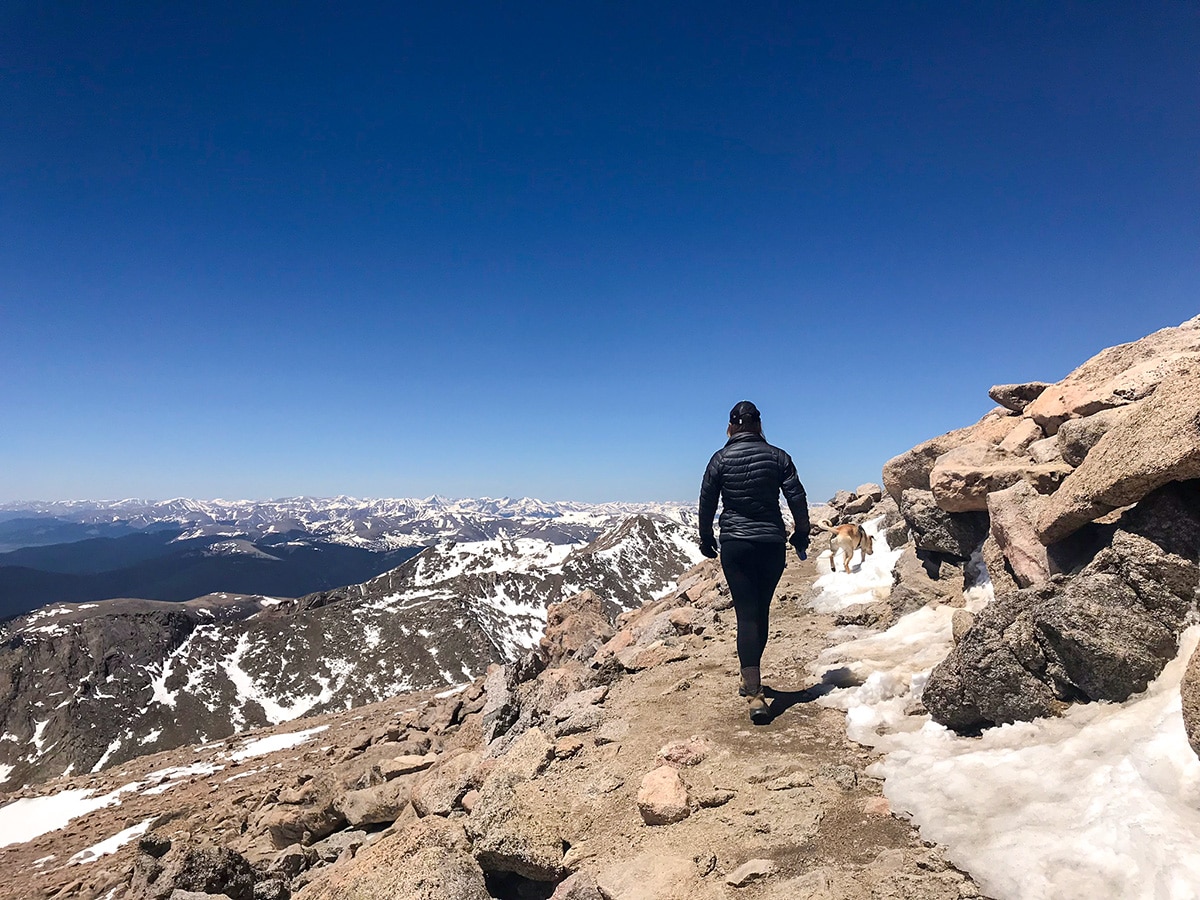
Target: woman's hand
column 800, row 542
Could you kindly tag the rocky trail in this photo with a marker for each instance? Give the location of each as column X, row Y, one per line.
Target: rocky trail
column 529, row 784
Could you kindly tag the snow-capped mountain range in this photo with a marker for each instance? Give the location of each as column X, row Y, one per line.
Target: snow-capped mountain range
column 85, row 551
column 380, row 525
column 85, row 686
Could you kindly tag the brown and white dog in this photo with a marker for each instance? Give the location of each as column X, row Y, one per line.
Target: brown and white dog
column 846, row 538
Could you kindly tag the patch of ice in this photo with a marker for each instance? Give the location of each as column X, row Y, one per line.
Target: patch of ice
column 5, row 771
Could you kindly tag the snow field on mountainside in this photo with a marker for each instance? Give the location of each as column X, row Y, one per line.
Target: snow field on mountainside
column 29, row 817
column 1103, row 802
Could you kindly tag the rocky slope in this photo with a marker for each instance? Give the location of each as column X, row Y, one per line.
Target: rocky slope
column 87, row 686
column 614, row 762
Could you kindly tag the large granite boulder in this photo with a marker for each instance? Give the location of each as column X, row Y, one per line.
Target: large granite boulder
column 430, row 860
column 954, row 534
column 516, row 831
column 910, row 470
column 1116, row 376
column 1102, row 635
column 1156, row 443
column 962, row 478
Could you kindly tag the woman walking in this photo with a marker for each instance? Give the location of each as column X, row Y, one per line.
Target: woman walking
column 746, row 475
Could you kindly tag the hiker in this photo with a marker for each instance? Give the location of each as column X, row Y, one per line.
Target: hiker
column 747, row 475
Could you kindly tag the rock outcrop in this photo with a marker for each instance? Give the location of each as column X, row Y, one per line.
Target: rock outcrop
column 1057, row 490
column 1156, row 443
column 1102, row 634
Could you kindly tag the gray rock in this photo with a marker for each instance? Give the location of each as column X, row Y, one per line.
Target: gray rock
column 526, row 759
column 1101, row 635
column 375, row 805
column 437, row 791
column 514, row 831
column 1046, row 451
column 1189, row 692
column 580, row 886
column 858, row 505
column 840, row 499
column 751, row 871
column 1017, row 396
column 272, row 889
column 1157, row 443
column 998, row 569
column 331, row 848
column 893, row 528
column 430, row 860
column 1076, row 437
column 292, row 860
column 912, row 588
column 500, row 706
column 955, row 534
column 189, row 867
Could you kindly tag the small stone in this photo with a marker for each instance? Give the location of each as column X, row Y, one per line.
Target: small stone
column 469, row 799
column 611, row 732
column 688, row 752
column 663, row 797
column 877, row 806
column 749, row 872
column 567, row 748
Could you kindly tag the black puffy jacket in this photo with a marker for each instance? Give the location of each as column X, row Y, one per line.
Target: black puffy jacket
column 747, row 475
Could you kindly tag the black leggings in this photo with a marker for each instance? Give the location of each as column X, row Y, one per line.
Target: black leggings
column 752, row 569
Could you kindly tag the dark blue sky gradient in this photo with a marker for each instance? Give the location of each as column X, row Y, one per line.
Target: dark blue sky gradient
column 267, row 250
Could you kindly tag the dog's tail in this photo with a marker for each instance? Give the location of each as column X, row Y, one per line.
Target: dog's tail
column 824, row 525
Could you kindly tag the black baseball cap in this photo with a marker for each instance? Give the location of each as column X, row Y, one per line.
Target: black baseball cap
column 744, row 413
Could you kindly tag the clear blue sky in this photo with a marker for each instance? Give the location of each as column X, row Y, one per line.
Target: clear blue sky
column 256, row 250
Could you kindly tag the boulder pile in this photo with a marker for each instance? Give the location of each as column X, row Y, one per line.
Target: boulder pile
column 1083, row 499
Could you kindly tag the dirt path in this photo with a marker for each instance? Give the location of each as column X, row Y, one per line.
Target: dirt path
column 797, row 792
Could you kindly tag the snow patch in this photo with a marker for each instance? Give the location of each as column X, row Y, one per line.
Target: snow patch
column 1103, row 801
column 274, row 742
column 110, row 845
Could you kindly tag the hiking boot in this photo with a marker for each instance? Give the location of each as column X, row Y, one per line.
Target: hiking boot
column 749, row 686
column 759, row 713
